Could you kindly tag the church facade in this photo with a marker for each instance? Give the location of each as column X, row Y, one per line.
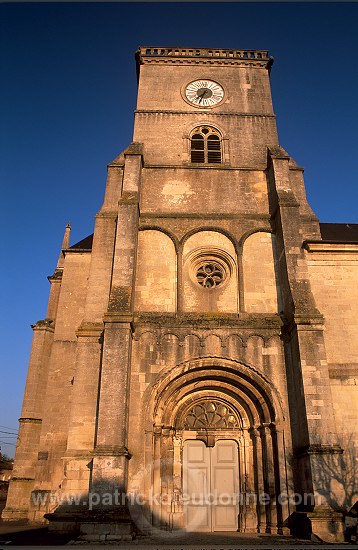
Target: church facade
column 196, row 367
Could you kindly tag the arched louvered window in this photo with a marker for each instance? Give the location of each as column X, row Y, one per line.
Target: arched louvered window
column 205, row 145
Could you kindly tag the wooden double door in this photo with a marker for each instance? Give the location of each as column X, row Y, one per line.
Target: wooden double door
column 211, row 485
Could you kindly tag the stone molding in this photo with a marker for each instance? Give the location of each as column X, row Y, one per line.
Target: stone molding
column 203, row 112
column 331, row 247
column 90, row 330
column 28, row 420
column 74, row 454
column 56, row 277
column 208, row 320
column 129, row 197
column 104, row 213
column 111, row 451
column 196, row 373
column 181, row 334
column 135, row 148
column 343, row 370
column 286, row 198
column 44, row 324
column 77, row 251
column 117, row 317
column 318, row 449
column 189, row 166
column 209, row 53
column 22, row 479
column 304, row 321
column 201, row 61
column 206, row 216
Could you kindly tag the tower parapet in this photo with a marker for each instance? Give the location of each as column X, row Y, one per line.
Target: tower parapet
column 177, row 55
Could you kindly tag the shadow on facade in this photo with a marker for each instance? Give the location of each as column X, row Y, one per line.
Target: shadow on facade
column 106, row 514
column 337, row 475
column 334, row 471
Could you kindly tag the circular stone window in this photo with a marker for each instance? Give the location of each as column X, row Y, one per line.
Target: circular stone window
column 210, row 274
column 211, row 268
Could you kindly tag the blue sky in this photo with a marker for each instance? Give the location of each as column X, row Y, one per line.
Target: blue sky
column 68, row 93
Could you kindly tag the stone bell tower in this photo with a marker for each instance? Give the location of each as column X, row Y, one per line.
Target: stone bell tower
column 182, row 367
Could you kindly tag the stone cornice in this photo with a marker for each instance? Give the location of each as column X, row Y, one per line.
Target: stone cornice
column 309, row 321
column 135, row 148
column 28, row 420
column 44, row 324
column 318, row 449
column 203, row 112
column 110, row 214
column 56, row 277
column 343, row 370
column 111, row 451
column 207, row 216
column 189, row 166
column 209, row 320
column 331, row 247
column 118, row 317
column 77, row 251
column 301, row 322
column 78, row 454
column 202, row 56
column 15, row 478
column 129, row 197
column 90, row 330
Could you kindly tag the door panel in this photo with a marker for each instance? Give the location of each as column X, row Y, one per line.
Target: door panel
column 196, row 486
column 210, row 486
column 224, row 518
column 224, row 475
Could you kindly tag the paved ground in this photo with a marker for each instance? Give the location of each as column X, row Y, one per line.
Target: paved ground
column 24, row 535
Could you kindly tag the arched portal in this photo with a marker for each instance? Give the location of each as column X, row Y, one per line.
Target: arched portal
column 221, row 420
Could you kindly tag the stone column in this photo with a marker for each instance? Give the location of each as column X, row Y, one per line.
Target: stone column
column 157, row 490
column 249, row 505
column 178, row 516
column 259, row 480
column 285, row 489
column 180, row 293
column 270, row 482
column 166, row 475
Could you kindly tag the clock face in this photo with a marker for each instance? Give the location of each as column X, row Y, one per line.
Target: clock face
column 204, row 93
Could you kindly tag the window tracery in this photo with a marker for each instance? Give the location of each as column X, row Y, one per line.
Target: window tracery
column 210, row 274
column 210, row 414
column 206, row 145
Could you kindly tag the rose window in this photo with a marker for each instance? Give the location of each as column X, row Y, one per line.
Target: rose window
column 210, row 274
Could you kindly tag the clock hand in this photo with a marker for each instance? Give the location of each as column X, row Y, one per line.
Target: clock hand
column 201, row 96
